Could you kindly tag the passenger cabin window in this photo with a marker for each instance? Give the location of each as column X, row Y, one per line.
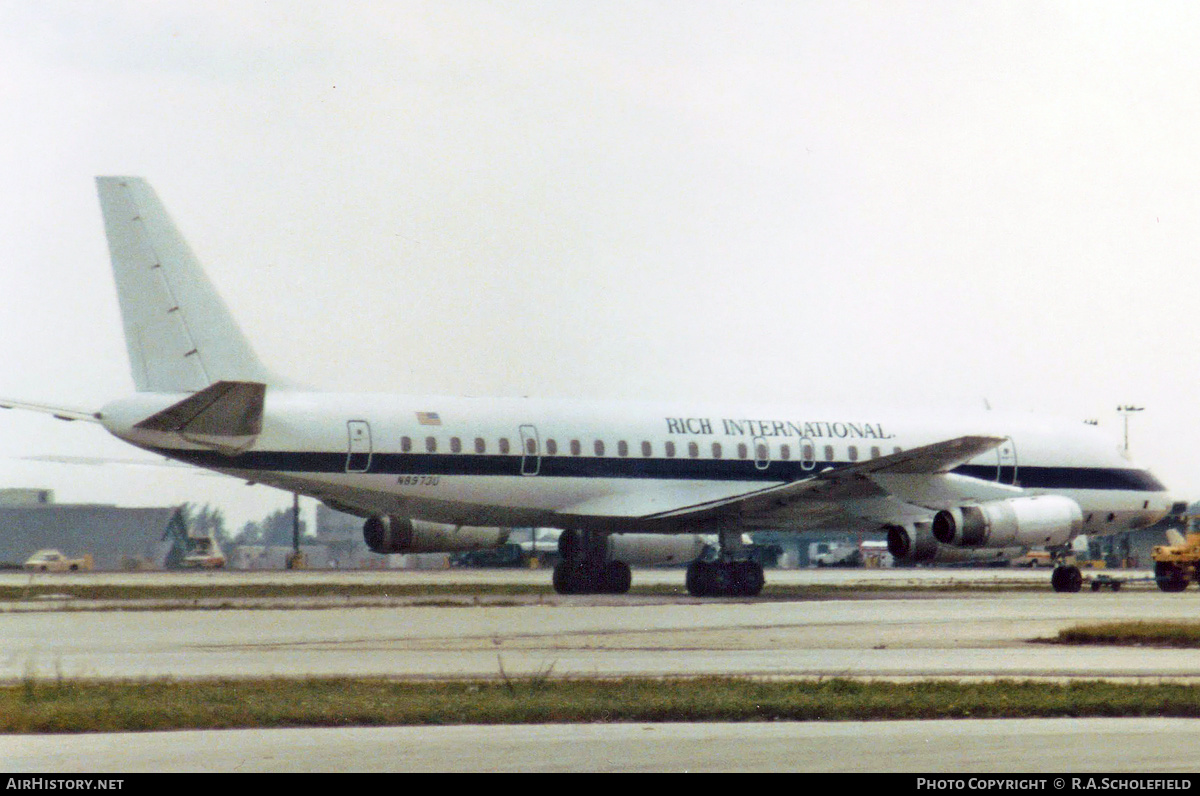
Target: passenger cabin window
column 576, row 448
column 897, row 449
column 716, row 450
column 828, row 453
column 622, row 448
column 785, row 452
column 599, row 448
column 431, row 444
column 647, row 450
column 551, row 448
column 875, row 452
column 455, row 445
column 670, row 449
column 852, row 453
column 405, row 444
column 504, row 445
column 531, row 446
column 480, row 445
column 693, row 450
column 760, row 451
column 807, row 453
column 741, row 450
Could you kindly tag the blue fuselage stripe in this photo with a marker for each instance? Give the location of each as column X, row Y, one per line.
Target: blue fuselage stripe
column 685, row 469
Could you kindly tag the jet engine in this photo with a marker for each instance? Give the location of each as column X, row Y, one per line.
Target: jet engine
column 912, row 543
column 638, row 549
column 1026, row 521
column 391, row 534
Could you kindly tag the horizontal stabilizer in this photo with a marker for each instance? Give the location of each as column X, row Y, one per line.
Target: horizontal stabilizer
column 226, row 409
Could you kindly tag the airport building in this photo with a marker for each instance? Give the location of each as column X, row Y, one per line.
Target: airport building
column 119, row 538
column 115, row 537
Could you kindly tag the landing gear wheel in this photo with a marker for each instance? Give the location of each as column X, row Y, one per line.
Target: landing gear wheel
column 588, row 577
column 699, row 578
column 572, row 577
column 748, row 578
column 562, row 578
column 616, row 578
column 1170, row 577
column 1066, row 579
column 725, row 578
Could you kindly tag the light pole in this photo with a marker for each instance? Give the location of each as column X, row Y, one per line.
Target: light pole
column 1126, row 411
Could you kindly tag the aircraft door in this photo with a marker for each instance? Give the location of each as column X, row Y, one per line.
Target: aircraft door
column 531, row 451
column 1006, row 462
column 358, row 458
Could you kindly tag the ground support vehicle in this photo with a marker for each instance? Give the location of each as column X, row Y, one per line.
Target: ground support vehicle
column 1175, row 564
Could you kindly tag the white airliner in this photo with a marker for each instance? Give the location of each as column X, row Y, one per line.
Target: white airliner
column 624, row 481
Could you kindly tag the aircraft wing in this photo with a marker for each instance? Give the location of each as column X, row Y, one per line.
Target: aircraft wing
column 59, row 412
column 854, row 481
column 918, row 470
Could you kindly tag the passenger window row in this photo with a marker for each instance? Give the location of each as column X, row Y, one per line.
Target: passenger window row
column 762, row 452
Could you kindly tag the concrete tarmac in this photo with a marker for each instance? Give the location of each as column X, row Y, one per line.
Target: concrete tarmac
column 1081, row 747
column 915, row 633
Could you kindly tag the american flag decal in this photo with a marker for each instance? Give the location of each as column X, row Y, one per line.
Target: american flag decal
column 429, row 418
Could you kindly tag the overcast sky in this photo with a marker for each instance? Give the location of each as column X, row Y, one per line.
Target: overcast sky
column 882, row 202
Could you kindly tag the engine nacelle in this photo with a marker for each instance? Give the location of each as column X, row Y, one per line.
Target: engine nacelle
column 912, row 543
column 1022, row 522
column 652, row 549
column 636, row 549
column 392, row 534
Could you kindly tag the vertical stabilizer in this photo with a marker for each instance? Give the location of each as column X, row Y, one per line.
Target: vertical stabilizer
column 179, row 334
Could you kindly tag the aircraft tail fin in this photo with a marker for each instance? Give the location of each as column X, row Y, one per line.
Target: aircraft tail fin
column 179, row 334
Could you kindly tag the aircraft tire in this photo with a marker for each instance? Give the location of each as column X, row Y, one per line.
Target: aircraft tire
column 725, row 579
column 1066, row 579
column 569, row 578
column 616, row 577
column 748, row 579
column 1170, row 577
column 699, row 578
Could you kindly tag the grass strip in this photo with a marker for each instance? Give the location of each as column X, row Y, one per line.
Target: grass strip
column 64, row 588
column 68, row 706
column 1148, row 633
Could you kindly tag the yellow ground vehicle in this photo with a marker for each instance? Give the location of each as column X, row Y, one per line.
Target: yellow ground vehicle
column 54, row 561
column 1175, row 564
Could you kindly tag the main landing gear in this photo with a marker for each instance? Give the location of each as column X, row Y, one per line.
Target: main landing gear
column 592, row 577
column 731, row 575
column 584, row 567
column 725, row 578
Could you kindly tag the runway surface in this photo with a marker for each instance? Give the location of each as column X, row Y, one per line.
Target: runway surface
column 1068, row 746
column 914, row 633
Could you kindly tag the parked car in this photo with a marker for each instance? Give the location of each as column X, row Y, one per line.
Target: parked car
column 54, row 561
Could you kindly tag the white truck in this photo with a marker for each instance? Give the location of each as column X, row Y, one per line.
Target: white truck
column 834, row 554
